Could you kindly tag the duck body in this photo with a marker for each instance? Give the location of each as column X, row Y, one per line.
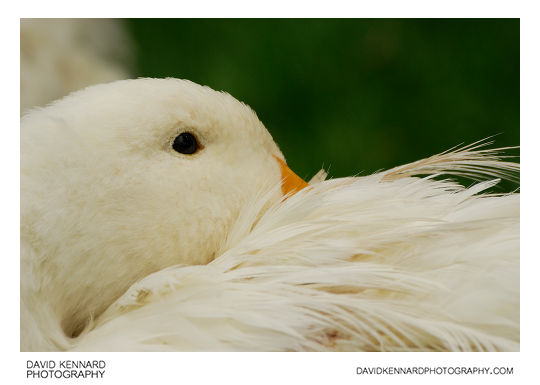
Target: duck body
column 127, row 245
column 358, row 264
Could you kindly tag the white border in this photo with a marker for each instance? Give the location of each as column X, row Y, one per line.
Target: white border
column 274, row 368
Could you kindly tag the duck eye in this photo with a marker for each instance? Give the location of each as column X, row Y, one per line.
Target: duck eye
column 185, row 143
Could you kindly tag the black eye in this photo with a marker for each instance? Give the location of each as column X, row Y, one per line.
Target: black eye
column 185, row 143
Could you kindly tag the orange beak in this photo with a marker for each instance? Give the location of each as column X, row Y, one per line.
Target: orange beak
column 290, row 182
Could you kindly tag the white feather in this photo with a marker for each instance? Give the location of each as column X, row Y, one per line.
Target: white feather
column 386, row 262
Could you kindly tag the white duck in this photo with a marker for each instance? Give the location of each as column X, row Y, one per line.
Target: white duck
column 126, row 186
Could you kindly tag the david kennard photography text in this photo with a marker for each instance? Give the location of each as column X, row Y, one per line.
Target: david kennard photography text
column 65, row 369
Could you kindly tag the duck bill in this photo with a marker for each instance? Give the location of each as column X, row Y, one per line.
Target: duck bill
column 290, row 182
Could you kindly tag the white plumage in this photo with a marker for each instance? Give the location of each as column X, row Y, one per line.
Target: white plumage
column 386, row 262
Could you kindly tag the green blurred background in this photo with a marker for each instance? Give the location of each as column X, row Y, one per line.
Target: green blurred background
column 352, row 95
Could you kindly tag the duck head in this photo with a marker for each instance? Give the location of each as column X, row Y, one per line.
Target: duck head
column 124, row 179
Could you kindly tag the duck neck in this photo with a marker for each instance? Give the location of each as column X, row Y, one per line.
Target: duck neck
column 40, row 322
column 40, row 329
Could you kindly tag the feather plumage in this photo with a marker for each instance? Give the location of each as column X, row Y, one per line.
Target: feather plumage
column 386, row 262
